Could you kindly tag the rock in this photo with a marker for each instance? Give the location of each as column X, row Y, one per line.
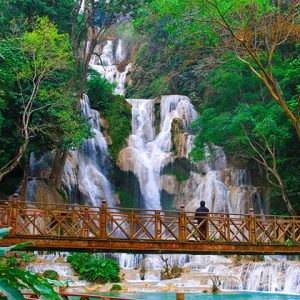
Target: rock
column 169, row 184
column 45, row 193
column 127, row 159
column 169, row 287
column 108, row 138
column 179, row 138
column 104, row 123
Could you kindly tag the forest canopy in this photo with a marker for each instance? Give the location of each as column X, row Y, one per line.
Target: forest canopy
column 239, row 63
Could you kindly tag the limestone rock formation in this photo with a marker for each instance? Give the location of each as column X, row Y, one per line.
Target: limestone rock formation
column 179, row 138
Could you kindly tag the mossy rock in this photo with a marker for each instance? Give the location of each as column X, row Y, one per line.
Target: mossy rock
column 50, row 274
column 116, row 287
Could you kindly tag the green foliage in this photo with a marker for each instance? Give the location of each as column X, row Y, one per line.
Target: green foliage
column 17, row 259
column 19, row 15
column 180, row 177
column 12, row 279
column 113, row 108
column 50, row 274
column 94, row 268
column 125, row 196
column 116, row 287
column 100, row 92
column 199, row 48
column 36, row 72
column 289, row 242
column 238, row 110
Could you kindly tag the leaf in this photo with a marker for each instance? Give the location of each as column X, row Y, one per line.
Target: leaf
column 55, row 282
column 3, row 250
column 11, row 292
column 4, row 232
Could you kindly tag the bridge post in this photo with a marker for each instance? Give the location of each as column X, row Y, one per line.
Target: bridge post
column 252, row 222
column 227, row 229
column 157, row 225
column 86, row 217
column 13, row 214
column 182, row 224
column 222, row 227
column 103, row 220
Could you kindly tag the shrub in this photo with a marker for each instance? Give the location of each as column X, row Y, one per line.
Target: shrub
column 18, row 259
column 50, row 274
column 115, row 287
column 94, row 268
column 113, row 108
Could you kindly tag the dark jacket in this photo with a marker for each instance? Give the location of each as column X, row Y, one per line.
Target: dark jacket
column 201, row 213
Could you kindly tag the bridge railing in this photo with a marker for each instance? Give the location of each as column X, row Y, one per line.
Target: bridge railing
column 68, row 221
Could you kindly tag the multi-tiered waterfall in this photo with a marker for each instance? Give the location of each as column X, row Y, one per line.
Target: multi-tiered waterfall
column 147, row 153
column 152, row 148
column 225, row 189
column 86, row 170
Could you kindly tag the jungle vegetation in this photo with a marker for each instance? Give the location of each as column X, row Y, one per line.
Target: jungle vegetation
column 238, row 61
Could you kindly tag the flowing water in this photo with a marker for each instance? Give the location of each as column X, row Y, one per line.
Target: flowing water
column 192, row 296
column 87, row 171
column 149, row 151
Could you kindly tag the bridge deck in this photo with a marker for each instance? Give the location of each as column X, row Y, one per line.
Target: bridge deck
column 87, row 228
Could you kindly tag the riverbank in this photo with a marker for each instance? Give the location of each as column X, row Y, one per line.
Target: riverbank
column 199, row 274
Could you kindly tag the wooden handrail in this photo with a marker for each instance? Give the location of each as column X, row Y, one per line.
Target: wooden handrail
column 72, row 222
column 82, row 296
column 37, row 205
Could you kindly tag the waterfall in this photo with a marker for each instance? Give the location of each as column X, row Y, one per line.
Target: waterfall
column 150, row 152
column 225, row 189
column 91, row 163
column 86, row 171
column 112, row 57
column 267, row 276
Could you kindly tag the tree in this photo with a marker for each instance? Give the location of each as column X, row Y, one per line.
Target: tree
column 90, row 22
column 254, row 30
column 20, row 15
column 250, row 134
column 33, row 90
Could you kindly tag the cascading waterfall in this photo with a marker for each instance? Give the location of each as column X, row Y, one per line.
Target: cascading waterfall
column 86, row 170
column 223, row 188
column 148, row 152
column 92, row 160
column 112, row 55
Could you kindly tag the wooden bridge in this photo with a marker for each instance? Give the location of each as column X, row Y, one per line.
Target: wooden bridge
column 89, row 228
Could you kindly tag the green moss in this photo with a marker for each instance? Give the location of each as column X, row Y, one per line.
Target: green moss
column 115, row 287
column 126, row 198
column 179, row 176
column 50, row 274
column 119, row 120
column 157, row 116
column 112, row 107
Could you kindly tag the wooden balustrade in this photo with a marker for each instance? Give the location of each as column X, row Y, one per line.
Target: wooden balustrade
column 71, row 295
column 68, row 222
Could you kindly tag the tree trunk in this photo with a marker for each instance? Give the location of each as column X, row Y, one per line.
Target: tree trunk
column 55, row 177
column 24, row 186
column 284, row 194
column 14, row 162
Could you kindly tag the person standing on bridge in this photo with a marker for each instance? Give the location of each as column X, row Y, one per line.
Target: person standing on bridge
column 200, row 215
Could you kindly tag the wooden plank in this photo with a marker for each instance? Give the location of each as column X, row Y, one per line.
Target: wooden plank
column 136, row 246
